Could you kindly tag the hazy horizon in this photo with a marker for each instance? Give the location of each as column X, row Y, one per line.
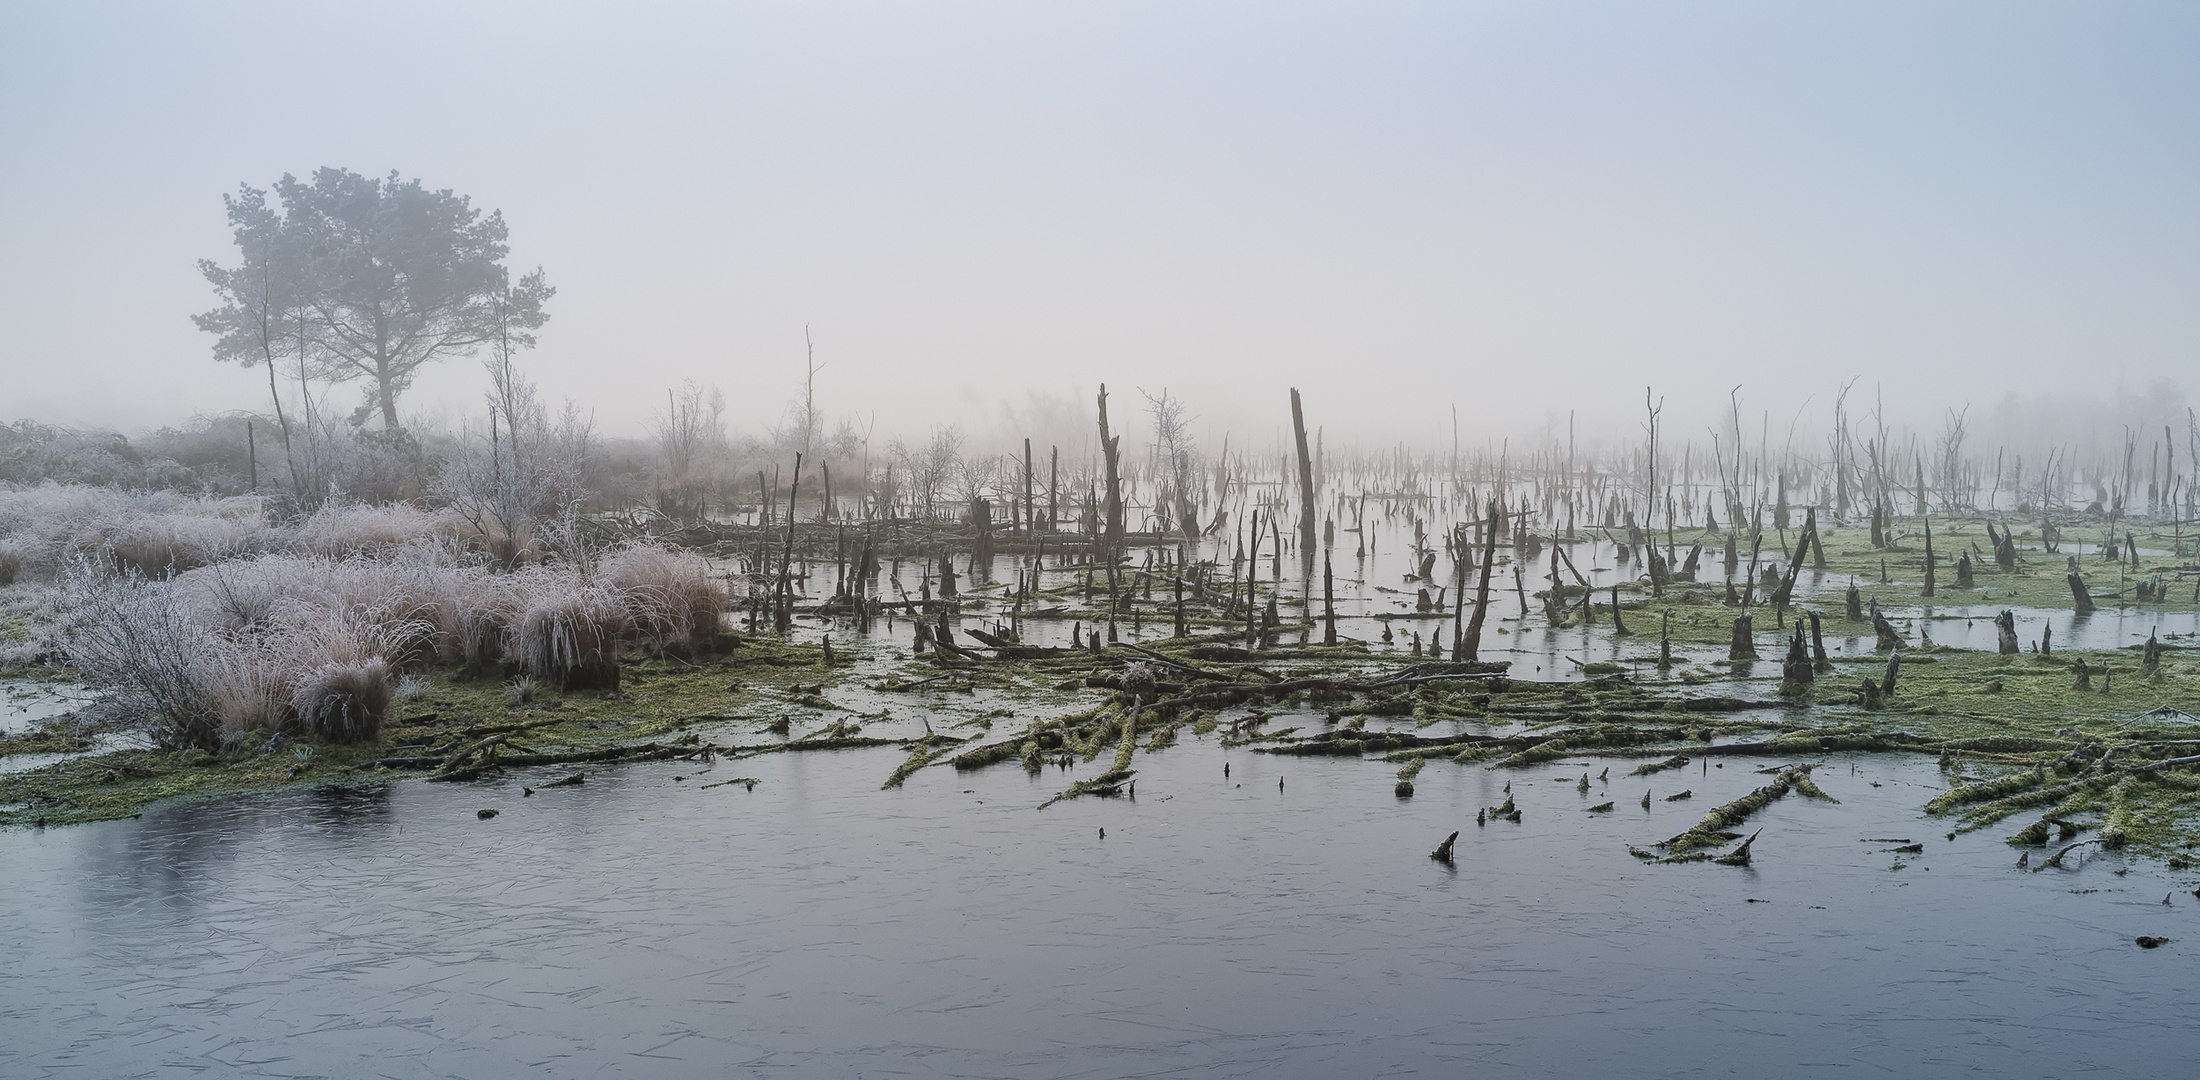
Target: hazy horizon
column 1520, row 210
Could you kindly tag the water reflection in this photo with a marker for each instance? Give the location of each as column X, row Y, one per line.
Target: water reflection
column 1224, row 926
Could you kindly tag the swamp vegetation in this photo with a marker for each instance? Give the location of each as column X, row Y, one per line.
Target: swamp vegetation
column 1633, row 619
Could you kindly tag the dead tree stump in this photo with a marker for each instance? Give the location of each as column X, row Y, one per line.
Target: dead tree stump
column 2079, row 595
column 1744, row 645
column 1796, row 669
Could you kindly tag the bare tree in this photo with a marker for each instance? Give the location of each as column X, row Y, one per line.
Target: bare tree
column 1951, row 460
column 389, row 274
column 523, row 472
column 690, row 433
column 1176, row 462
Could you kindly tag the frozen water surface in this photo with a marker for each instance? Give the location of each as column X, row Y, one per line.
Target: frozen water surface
column 643, row 926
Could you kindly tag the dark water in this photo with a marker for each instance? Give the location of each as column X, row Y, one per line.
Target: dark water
column 639, row 926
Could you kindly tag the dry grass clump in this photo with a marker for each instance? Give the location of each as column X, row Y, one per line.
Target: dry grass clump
column 344, row 702
column 244, row 684
column 13, row 555
column 672, row 596
column 568, row 630
column 350, row 671
column 154, row 533
column 257, row 645
column 392, row 602
column 171, row 543
column 310, row 642
column 471, row 611
column 339, row 529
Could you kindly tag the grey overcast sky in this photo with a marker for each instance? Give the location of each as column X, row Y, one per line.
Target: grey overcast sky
column 1518, row 208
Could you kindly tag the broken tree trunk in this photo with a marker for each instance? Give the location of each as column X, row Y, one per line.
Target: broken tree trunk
column 1329, row 605
column 1743, row 647
column 1111, row 451
column 1471, row 649
column 1306, row 482
column 1929, row 557
column 1889, row 637
column 1796, row 669
column 2079, row 595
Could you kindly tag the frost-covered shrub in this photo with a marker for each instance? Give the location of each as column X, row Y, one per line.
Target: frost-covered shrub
column 344, row 702
column 672, row 597
column 568, row 630
column 131, row 637
column 154, row 533
column 307, row 642
column 340, row 529
column 13, row 554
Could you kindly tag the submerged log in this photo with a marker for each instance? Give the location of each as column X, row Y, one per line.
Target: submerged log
column 1739, row 856
column 1674, row 762
column 1711, row 831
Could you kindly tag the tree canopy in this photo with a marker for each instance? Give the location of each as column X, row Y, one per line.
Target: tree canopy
column 360, row 278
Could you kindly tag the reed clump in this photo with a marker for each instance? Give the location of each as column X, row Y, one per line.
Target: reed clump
column 568, row 631
column 673, row 600
column 312, row 643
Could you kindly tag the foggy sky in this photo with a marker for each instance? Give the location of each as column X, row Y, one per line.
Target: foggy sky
column 1519, row 209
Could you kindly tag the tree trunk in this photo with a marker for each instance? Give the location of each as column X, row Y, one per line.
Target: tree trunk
column 1306, row 482
column 1471, row 650
column 1110, row 448
column 2080, row 595
column 1929, row 576
column 1329, row 605
column 1796, row 669
column 383, row 380
column 1743, row 646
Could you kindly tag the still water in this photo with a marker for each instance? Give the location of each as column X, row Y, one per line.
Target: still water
column 815, row 926
column 645, row 925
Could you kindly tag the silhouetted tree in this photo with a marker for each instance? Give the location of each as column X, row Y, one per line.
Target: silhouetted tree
column 375, row 278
